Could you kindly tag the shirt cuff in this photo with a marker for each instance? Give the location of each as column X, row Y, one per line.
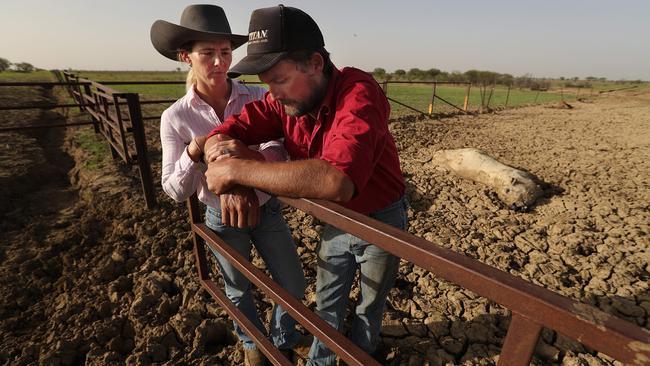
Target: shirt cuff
column 273, row 154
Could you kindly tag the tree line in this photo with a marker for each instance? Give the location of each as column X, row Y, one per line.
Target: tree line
column 483, row 77
column 18, row 66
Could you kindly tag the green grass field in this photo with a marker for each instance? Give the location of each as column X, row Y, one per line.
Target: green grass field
column 34, row 76
column 417, row 96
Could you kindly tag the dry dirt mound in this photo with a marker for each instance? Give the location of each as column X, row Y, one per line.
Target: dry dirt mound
column 100, row 280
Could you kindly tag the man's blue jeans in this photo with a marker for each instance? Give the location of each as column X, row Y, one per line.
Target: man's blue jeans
column 339, row 256
column 273, row 241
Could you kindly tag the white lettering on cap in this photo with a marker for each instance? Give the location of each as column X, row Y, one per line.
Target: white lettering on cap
column 258, row 36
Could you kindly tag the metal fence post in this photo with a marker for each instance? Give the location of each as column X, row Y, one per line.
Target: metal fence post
column 133, row 101
column 433, row 98
column 508, row 94
column 487, row 106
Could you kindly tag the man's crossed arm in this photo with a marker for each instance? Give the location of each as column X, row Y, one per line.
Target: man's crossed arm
column 233, row 173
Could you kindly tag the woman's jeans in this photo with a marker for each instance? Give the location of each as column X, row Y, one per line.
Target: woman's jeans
column 273, row 241
column 339, row 256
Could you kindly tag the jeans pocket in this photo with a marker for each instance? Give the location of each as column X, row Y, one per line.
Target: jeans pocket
column 213, row 218
column 394, row 214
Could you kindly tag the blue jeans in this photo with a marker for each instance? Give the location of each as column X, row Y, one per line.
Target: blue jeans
column 339, row 256
column 273, row 241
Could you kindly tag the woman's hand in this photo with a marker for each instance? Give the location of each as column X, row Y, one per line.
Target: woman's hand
column 196, row 148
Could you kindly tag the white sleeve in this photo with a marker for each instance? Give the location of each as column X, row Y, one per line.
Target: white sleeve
column 181, row 176
column 274, row 151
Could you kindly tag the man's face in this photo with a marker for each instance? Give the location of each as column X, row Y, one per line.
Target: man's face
column 300, row 88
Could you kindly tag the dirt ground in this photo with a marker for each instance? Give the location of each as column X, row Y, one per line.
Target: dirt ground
column 90, row 276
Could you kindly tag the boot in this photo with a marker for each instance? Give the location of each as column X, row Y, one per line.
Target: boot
column 253, row 357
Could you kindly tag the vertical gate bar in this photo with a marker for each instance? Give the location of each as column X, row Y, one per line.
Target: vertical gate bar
column 133, row 101
column 89, row 105
column 100, row 109
column 508, row 94
column 120, row 124
column 520, row 341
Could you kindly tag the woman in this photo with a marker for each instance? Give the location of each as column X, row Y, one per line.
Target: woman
column 204, row 41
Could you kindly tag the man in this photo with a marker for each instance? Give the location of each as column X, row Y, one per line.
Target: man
column 335, row 129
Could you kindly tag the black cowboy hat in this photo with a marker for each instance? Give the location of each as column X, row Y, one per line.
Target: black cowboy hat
column 198, row 23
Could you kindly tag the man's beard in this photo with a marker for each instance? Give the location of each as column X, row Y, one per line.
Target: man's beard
column 297, row 108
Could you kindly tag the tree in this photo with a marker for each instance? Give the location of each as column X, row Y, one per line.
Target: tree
column 400, row 72
column 505, row 79
column 472, row 76
column 379, row 73
column 4, row 64
column 432, row 73
column 24, row 67
column 415, row 74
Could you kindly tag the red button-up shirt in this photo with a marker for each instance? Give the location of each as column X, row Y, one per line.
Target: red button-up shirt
column 350, row 132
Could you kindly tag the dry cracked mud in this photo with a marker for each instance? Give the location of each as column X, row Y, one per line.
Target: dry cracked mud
column 90, row 276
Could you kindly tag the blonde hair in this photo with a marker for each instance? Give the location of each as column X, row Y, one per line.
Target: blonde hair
column 190, row 80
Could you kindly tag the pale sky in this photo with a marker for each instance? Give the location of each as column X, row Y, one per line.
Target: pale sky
column 549, row 38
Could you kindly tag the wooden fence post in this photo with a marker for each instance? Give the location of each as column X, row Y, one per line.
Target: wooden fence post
column 433, row 98
column 508, row 94
column 466, row 102
column 133, row 101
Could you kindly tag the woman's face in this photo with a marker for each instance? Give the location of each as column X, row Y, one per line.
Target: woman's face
column 210, row 60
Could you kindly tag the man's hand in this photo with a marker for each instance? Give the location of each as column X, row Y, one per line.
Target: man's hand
column 219, row 176
column 240, row 207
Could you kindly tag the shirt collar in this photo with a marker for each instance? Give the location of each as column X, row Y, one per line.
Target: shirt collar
column 328, row 101
column 238, row 89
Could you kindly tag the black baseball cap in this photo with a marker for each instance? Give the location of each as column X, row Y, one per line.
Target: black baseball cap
column 272, row 34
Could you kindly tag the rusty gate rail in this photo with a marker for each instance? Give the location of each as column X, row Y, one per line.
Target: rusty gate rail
column 532, row 306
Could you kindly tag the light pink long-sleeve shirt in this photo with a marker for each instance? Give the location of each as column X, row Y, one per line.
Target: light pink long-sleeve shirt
column 191, row 116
